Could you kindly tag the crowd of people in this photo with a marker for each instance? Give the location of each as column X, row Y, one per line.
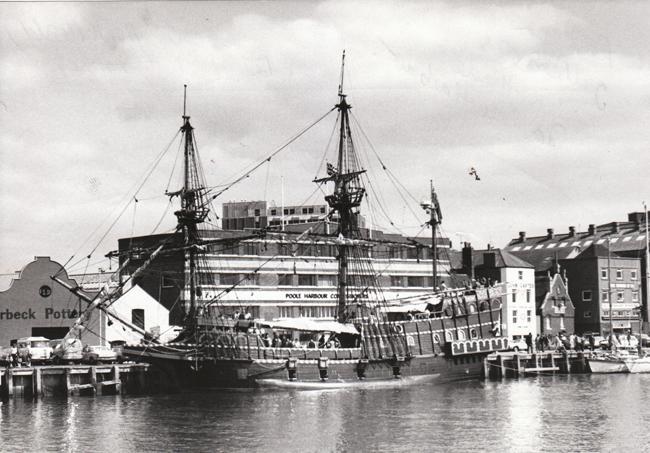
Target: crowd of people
column 283, row 340
column 572, row 342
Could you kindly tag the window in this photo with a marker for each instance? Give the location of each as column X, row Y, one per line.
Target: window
column 521, row 275
column 604, row 296
column 562, row 322
column 461, row 335
column 327, row 280
column 322, row 210
column 587, row 314
column 415, row 281
column 586, row 296
column 137, row 317
column 527, row 295
column 257, row 213
column 635, row 296
column 620, row 297
column 529, row 314
column 285, row 312
column 603, row 273
column 228, row 279
column 285, row 280
column 449, row 336
column 514, row 296
column 310, row 210
column 473, row 333
column 206, row 278
column 274, row 211
column 619, row 274
column 514, row 316
column 306, row 280
column 633, row 275
column 397, row 280
column 548, row 322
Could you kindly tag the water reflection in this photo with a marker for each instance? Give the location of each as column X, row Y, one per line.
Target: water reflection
column 568, row 413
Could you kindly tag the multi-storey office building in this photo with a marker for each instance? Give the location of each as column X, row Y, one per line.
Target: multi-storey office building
column 281, row 274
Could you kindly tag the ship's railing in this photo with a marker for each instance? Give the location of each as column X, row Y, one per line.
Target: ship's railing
column 270, row 353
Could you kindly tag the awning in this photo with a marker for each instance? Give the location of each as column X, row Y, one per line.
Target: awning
column 312, row 325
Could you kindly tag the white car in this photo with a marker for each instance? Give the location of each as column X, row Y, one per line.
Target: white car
column 518, row 344
column 36, row 349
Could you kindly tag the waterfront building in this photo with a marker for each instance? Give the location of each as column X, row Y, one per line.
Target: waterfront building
column 32, row 304
column 556, row 309
column 279, row 275
column 626, row 242
column 518, row 303
column 598, row 276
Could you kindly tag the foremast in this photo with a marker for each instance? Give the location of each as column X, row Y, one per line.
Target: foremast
column 193, row 211
column 346, row 198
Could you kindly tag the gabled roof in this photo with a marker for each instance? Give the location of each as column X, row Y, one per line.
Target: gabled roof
column 501, row 259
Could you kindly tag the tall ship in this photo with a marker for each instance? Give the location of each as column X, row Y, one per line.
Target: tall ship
column 441, row 336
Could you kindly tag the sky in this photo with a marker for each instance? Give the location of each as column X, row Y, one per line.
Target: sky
column 548, row 102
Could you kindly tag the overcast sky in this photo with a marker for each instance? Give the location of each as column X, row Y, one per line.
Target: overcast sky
column 550, row 103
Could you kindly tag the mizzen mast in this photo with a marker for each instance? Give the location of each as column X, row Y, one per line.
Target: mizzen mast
column 347, row 196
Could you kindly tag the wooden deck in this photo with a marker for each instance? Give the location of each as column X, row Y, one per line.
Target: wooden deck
column 41, row 381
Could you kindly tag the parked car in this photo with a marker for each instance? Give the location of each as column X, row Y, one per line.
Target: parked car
column 98, row 354
column 34, row 349
column 67, row 351
column 517, row 344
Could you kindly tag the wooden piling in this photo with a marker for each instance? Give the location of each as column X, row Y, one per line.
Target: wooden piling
column 9, row 380
column 37, row 380
column 93, row 380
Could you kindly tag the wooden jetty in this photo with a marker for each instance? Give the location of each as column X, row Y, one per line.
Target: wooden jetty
column 41, row 381
column 516, row 364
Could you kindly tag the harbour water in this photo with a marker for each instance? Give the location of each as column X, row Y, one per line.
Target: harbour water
column 550, row 413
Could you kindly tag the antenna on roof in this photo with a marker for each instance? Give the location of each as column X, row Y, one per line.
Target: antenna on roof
column 184, row 99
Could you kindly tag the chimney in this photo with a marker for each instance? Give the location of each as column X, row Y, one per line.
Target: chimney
column 489, row 246
column 549, row 233
column 490, row 260
column 572, row 231
column 592, row 229
column 468, row 260
column 614, row 227
column 522, row 236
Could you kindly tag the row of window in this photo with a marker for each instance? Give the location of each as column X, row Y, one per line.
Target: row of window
column 529, row 316
column 231, row 279
column 289, row 211
column 316, row 311
column 587, row 296
column 604, row 274
column 528, row 296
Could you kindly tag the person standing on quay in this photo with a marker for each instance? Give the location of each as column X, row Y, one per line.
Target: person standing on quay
column 529, row 342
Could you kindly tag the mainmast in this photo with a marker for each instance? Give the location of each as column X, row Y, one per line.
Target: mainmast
column 193, row 207
column 347, row 196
